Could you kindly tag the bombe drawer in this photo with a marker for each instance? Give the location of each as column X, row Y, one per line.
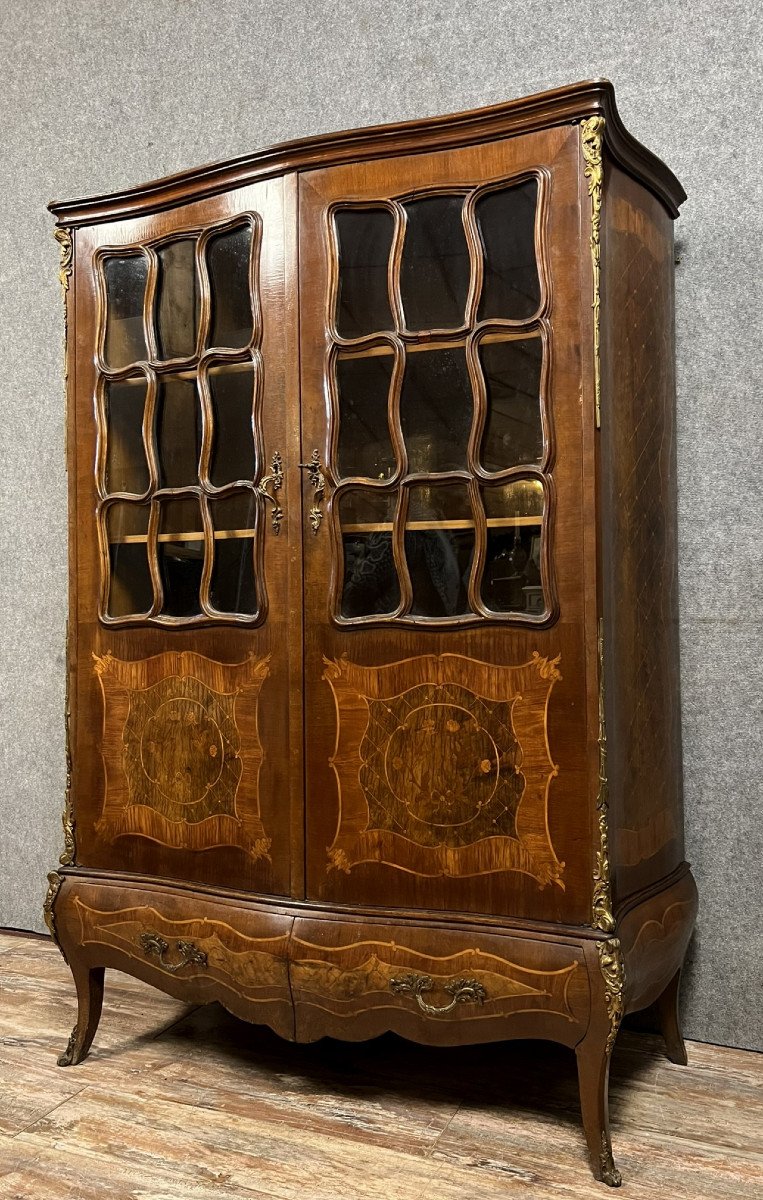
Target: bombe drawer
column 434, row 985
column 196, row 947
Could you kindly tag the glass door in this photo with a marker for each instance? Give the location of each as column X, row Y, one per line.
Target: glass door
column 183, row 544
column 434, row 407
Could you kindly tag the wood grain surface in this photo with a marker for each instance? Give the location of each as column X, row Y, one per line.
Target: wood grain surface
column 179, row 1102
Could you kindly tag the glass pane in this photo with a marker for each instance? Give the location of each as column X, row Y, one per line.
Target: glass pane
column 181, row 556
column 125, row 340
column 439, row 547
column 506, row 221
column 126, row 463
column 511, row 580
column 371, row 584
column 232, row 393
column 365, row 244
column 436, row 409
column 178, row 300
column 232, row 587
column 435, row 270
column 178, row 431
column 228, row 260
column 513, row 431
column 365, row 447
column 131, row 591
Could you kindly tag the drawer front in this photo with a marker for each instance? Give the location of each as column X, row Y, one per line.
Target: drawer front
column 433, row 985
column 196, row 948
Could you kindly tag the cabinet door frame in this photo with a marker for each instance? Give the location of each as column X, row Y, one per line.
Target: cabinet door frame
column 555, row 648
column 256, row 844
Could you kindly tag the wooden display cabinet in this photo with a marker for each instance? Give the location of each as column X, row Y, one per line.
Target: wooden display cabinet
column 373, row 658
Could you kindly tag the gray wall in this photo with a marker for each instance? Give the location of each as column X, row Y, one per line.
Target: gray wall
column 100, row 96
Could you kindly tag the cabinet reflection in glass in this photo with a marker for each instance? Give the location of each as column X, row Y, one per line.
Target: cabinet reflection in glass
column 511, row 580
column 513, row 432
column 232, row 587
column 439, row 548
column 371, row 586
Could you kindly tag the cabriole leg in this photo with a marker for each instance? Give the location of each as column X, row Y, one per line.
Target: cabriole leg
column 670, row 1023
column 593, row 1056
column 89, row 984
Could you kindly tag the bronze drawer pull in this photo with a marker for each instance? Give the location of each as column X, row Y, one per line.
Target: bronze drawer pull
column 190, row 955
column 318, row 484
column 276, row 479
column 462, row 991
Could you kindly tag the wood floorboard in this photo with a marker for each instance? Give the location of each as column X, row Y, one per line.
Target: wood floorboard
column 177, row 1102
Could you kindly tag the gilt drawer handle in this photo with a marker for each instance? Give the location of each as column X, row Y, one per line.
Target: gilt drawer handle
column 188, row 954
column 318, row 484
column 274, row 480
column 461, row 991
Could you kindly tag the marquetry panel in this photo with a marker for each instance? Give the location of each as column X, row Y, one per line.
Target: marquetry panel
column 180, row 741
column 443, row 766
column 440, row 440
column 419, row 978
column 255, row 967
column 178, row 403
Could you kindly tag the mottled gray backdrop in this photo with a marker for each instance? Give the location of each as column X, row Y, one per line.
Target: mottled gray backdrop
column 98, row 96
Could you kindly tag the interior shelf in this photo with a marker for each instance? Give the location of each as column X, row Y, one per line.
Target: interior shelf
column 491, row 522
column 426, row 342
column 196, row 535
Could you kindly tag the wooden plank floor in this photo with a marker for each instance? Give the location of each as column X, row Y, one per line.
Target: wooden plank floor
column 181, row 1102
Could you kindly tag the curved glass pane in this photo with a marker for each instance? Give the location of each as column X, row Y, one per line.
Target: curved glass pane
column 231, row 390
column 131, row 591
column 513, row 432
column 364, row 237
column 511, row 580
column 177, row 311
column 370, row 583
column 506, row 222
column 363, row 386
column 439, row 548
column 180, row 551
column 126, row 462
column 178, row 431
column 232, row 587
column 125, row 341
column 229, row 264
column 436, row 409
column 435, row 268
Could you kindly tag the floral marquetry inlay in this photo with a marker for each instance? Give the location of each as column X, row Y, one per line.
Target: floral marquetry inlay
column 447, row 758
column 180, row 743
column 181, row 750
column 440, row 766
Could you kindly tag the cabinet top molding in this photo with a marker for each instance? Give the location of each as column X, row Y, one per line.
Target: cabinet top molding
column 556, row 107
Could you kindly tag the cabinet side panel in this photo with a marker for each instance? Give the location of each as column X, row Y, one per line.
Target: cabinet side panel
column 639, row 561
